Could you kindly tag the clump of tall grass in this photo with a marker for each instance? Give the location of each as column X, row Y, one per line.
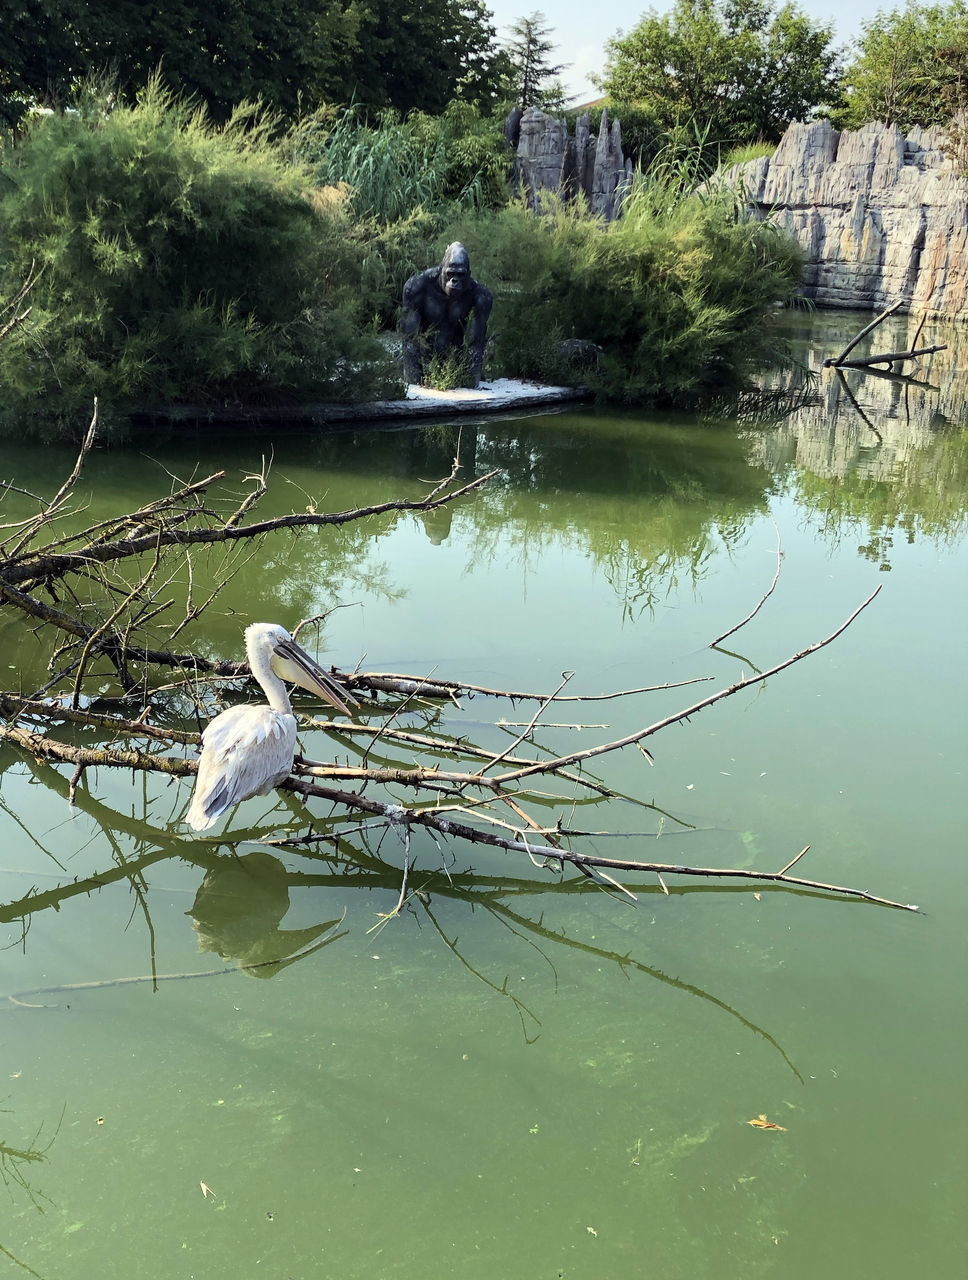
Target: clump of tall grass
column 743, row 154
column 395, row 166
column 182, row 262
column 678, row 169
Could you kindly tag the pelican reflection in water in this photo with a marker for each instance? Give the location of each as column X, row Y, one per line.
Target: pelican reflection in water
column 248, row 750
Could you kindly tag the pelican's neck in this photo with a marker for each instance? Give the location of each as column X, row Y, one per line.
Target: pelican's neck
column 259, row 653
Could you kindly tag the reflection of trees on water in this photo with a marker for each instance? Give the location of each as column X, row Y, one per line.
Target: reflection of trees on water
column 874, row 456
column 651, row 501
column 648, row 502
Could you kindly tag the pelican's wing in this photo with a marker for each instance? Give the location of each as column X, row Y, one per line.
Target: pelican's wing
column 246, row 751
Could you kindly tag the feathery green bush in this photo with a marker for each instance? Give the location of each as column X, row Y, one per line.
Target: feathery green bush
column 181, row 262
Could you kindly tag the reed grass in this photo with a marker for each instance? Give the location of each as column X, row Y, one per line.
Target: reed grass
column 395, row 166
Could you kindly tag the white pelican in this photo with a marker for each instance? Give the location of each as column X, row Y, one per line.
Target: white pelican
column 248, row 750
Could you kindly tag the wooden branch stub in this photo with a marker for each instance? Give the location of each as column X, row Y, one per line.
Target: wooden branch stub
column 888, row 357
column 841, row 361
column 863, row 334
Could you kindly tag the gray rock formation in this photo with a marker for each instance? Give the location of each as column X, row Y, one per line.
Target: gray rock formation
column 881, row 217
column 550, row 159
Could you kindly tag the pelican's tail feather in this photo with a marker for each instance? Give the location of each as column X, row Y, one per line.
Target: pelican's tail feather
column 209, row 802
column 201, row 816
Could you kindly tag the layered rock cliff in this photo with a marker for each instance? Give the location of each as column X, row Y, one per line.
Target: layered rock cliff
column 550, row 159
column 881, row 217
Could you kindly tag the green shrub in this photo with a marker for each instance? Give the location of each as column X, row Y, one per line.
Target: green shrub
column 181, row 263
column 675, row 295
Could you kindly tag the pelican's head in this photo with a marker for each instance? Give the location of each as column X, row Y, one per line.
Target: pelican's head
column 274, row 645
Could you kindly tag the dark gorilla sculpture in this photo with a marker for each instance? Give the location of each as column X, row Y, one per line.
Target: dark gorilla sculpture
column 436, row 306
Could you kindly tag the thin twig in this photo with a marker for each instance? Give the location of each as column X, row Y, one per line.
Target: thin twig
column 794, row 860
column 590, row 752
column 565, row 677
column 750, row 616
column 395, row 682
column 117, row 658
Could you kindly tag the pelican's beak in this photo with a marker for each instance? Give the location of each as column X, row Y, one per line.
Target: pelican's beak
column 292, row 663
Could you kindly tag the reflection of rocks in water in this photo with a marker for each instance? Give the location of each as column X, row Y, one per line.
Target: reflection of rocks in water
column 877, row 455
column 238, row 909
column 862, row 423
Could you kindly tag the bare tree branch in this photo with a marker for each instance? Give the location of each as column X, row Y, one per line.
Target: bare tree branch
column 750, row 616
column 106, row 601
column 677, row 717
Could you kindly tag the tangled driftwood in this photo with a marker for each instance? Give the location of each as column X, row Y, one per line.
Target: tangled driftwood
column 128, row 570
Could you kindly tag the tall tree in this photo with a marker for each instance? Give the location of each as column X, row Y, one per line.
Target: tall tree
column 744, row 67
column 39, row 54
column 423, row 54
column 381, row 53
column 485, row 65
column 532, row 77
column 911, row 67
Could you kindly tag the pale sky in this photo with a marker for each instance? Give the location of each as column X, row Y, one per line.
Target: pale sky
column 580, row 28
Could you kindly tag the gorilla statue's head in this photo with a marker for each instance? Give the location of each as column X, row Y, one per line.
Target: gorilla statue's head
column 455, row 270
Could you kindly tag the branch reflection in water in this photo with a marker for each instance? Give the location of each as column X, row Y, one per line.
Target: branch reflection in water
column 242, row 901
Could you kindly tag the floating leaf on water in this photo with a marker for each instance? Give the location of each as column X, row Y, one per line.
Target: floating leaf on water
column 761, row 1122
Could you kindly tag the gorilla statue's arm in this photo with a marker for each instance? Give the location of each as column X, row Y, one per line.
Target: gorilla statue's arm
column 410, row 324
column 483, row 301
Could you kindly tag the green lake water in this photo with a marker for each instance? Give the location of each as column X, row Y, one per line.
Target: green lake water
column 524, row 1076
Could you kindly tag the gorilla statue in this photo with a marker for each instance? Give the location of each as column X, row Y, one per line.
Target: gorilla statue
column 436, row 305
